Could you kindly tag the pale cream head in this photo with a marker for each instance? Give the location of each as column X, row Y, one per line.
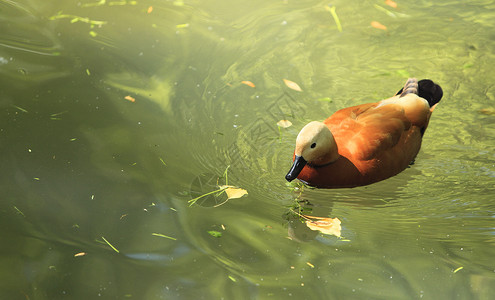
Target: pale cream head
column 315, row 143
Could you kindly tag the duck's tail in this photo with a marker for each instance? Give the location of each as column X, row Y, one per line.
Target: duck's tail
column 425, row 88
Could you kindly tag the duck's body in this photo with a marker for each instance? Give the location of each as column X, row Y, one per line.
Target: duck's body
column 367, row 143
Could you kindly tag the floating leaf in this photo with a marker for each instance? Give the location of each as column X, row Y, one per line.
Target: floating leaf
column 324, row 225
column 20, row 108
column 111, row 246
column 19, row 211
column 284, row 123
column 164, row 236
column 75, row 19
column 150, row 9
column 389, row 13
column 214, row 233
column 248, row 83
column 325, row 99
column 391, row 3
column 130, row 98
column 233, row 192
column 185, row 25
column 292, row 85
column 488, row 111
column 79, row 254
column 335, row 17
column 101, row 2
column 378, row 25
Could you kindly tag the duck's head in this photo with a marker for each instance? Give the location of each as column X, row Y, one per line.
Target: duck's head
column 315, row 146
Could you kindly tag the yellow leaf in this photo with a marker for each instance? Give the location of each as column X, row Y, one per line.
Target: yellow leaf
column 488, row 111
column 185, row 25
column 324, row 225
column 233, row 192
column 248, row 83
column 284, row 123
column 150, row 9
column 378, row 25
column 335, row 17
column 130, row 98
column 391, row 3
column 292, row 85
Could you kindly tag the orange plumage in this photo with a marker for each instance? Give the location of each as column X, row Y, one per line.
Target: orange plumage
column 367, row 143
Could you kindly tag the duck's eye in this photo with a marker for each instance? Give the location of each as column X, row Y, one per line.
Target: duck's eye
column 313, row 145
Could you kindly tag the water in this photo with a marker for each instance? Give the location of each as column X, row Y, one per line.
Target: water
column 80, row 163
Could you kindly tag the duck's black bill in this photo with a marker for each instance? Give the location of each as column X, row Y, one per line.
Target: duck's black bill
column 297, row 166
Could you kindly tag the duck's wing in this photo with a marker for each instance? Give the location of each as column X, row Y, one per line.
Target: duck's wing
column 365, row 131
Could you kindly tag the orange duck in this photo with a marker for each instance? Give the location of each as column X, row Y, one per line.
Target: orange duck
column 367, row 143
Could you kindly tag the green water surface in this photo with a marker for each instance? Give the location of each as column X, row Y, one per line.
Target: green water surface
column 95, row 187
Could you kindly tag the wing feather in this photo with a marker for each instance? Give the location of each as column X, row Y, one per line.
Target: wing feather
column 365, row 131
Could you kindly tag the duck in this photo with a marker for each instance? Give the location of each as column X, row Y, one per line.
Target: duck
column 367, row 143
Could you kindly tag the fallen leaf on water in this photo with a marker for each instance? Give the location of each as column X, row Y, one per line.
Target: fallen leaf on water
column 391, row 3
column 248, row 83
column 164, row 236
column 292, row 85
column 185, row 25
column 79, row 254
column 335, row 17
column 233, row 192
column 488, row 111
column 214, row 233
column 20, row 108
column 130, row 98
column 390, row 13
column 324, row 225
column 378, row 25
column 284, row 123
column 150, row 9
column 111, row 246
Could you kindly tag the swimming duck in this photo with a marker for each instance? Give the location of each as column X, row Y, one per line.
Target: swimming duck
column 366, row 143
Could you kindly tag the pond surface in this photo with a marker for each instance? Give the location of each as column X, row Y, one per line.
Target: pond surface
column 115, row 114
